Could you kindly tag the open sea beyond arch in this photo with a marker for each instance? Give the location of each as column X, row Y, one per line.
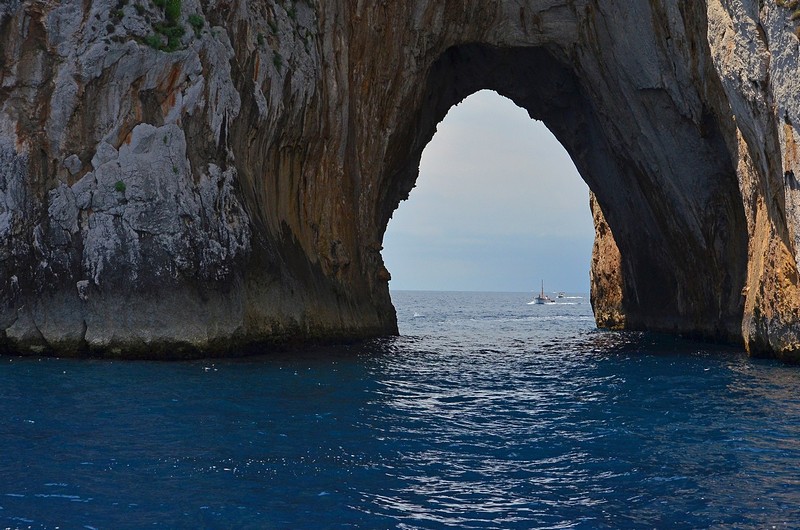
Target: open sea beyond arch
column 487, row 412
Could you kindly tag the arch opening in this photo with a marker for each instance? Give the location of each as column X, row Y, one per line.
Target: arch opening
column 498, row 206
column 665, row 194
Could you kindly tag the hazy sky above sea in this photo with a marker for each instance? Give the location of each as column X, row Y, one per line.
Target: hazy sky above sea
column 498, row 206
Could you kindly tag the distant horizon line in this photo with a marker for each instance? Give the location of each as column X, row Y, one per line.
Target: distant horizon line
column 482, row 291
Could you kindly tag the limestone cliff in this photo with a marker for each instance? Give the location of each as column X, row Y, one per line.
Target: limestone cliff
column 201, row 176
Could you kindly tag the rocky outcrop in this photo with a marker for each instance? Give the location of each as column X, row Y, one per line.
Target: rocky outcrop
column 203, row 176
column 606, row 271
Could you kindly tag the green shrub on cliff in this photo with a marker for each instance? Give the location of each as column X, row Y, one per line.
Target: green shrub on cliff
column 169, row 32
column 154, row 41
column 173, row 34
column 172, row 11
column 197, row 23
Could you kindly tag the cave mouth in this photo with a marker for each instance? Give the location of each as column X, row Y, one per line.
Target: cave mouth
column 664, row 182
column 499, row 206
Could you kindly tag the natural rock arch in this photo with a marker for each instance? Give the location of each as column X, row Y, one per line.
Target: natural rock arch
column 233, row 188
column 683, row 254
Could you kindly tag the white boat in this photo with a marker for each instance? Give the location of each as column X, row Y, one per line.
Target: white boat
column 543, row 298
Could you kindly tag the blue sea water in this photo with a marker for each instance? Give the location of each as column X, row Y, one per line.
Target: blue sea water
column 487, row 412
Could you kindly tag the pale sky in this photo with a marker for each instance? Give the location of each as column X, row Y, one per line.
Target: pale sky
column 498, row 206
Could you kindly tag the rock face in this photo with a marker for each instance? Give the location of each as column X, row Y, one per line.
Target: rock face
column 217, row 174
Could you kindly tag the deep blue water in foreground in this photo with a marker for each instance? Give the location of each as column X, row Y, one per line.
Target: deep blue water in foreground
column 487, row 413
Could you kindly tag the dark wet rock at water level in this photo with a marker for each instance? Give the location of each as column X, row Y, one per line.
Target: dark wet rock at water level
column 200, row 180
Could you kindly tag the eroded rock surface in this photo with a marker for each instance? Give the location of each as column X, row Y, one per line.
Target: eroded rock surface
column 168, row 192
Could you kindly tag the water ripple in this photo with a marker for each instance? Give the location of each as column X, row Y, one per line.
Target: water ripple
column 487, row 413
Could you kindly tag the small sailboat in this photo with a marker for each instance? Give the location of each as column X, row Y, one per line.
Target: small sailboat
column 543, row 298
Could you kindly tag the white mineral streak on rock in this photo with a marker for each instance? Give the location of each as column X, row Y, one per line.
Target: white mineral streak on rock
column 83, row 289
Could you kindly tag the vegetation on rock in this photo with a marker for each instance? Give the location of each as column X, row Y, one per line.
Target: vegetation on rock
column 197, row 23
column 168, row 33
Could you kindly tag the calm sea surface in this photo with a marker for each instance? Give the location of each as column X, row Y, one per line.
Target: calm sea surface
column 487, row 413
